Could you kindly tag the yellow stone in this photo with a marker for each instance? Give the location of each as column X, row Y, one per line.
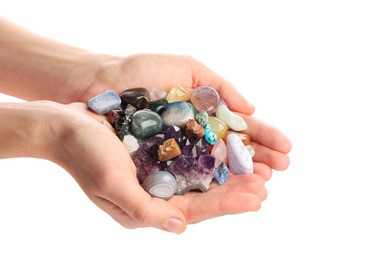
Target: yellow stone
column 178, row 93
column 218, row 127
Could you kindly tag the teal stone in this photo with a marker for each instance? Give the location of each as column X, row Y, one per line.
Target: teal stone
column 146, row 123
column 209, row 135
column 177, row 113
column 202, row 118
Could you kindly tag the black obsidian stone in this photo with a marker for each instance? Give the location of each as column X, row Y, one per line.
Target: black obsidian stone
column 137, row 97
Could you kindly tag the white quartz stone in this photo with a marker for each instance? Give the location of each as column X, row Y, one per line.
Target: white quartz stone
column 240, row 160
column 131, row 143
column 233, row 121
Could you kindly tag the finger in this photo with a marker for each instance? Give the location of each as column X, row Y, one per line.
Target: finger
column 204, row 76
column 266, row 135
column 210, row 205
column 274, row 159
column 263, row 170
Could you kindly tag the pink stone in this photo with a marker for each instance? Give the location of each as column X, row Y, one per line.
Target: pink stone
column 220, row 152
column 205, row 98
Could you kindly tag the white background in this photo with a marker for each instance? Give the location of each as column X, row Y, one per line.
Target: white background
column 320, row 70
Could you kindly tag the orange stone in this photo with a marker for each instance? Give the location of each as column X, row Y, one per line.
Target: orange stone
column 168, row 150
column 193, row 129
column 244, row 137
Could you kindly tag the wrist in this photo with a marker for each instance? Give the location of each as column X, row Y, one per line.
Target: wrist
column 27, row 129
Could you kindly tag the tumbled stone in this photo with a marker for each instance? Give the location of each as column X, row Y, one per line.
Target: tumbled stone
column 244, row 137
column 177, row 113
column 146, row 123
column 209, row 135
column 233, row 121
column 250, row 150
column 168, row 150
column 193, row 129
column 138, row 97
column 205, row 98
column 178, row 93
column 221, row 173
column 218, row 126
column 220, row 152
column 156, row 94
column 158, row 106
column 131, row 143
column 161, row 184
column 202, row 118
column 240, row 160
column 104, row 102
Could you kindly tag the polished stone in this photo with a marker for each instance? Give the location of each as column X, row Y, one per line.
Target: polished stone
column 209, row 135
column 158, row 106
column 220, row 152
column 104, row 102
column 205, row 98
column 250, row 150
column 161, row 184
column 177, row 113
column 130, row 110
column 240, row 160
column 178, row 93
column 232, row 120
column 168, row 150
column 146, row 123
column 138, row 97
column 244, row 137
column 219, row 127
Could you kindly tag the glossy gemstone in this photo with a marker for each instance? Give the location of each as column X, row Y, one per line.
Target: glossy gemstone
column 178, row 93
column 158, row 106
column 168, row 150
column 161, row 184
column 104, row 102
column 205, row 98
column 220, row 152
column 250, row 150
column 240, row 160
column 233, row 121
column 138, row 97
column 218, row 126
column 244, row 137
column 146, row 123
column 177, row 113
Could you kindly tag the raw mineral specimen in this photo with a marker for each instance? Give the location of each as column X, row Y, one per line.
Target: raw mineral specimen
column 209, row 135
column 220, row 152
column 130, row 143
column 221, row 173
column 168, row 150
column 202, row 118
column 193, row 129
column 104, row 102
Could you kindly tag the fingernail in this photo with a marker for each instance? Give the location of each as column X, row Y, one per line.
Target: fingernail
column 173, row 225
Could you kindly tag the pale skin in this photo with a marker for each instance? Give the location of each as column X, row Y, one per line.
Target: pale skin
column 61, row 129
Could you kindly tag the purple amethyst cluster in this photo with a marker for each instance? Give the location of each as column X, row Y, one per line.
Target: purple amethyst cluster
column 193, row 169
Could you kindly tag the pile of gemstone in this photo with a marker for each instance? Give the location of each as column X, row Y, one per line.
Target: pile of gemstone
column 179, row 141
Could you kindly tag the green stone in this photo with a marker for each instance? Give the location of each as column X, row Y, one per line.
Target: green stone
column 233, row 121
column 146, row 123
column 202, row 118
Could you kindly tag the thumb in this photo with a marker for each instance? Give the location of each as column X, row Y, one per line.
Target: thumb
column 150, row 212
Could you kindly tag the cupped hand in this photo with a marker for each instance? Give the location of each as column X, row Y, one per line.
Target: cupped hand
column 101, row 165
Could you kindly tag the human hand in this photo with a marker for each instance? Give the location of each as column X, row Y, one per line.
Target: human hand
column 101, row 165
